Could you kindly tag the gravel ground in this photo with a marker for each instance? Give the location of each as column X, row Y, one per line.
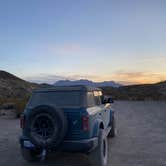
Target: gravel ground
column 141, row 139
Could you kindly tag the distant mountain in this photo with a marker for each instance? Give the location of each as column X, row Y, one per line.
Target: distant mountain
column 87, row 83
column 138, row 92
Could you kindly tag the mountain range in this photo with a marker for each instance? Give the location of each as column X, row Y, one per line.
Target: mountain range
column 14, row 88
column 87, row 83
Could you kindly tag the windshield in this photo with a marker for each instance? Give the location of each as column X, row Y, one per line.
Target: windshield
column 57, row 98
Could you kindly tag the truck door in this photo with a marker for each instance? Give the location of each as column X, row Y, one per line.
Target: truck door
column 105, row 111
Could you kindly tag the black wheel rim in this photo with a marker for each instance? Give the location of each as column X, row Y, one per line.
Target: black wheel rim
column 42, row 127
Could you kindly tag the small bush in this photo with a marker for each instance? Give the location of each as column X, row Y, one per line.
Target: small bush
column 7, row 106
column 18, row 105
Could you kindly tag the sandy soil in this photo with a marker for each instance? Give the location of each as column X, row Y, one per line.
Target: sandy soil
column 141, row 139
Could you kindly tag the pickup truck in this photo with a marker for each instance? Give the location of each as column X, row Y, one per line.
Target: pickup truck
column 67, row 118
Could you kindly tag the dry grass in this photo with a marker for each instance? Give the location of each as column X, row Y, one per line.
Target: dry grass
column 17, row 104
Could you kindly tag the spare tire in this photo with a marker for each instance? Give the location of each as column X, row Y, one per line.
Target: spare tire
column 46, row 126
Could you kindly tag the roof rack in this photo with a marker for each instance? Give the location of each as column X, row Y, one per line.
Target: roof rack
column 69, row 88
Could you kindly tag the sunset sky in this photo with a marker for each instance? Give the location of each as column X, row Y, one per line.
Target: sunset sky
column 48, row 40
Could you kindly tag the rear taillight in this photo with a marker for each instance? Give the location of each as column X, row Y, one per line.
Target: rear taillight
column 22, row 121
column 85, row 123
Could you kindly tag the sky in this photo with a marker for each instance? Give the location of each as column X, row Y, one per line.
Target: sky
column 100, row 40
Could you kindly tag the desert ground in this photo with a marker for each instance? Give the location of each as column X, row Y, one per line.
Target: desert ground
column 141, row 139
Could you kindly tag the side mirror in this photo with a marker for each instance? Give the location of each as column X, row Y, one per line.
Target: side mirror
column 108, row 100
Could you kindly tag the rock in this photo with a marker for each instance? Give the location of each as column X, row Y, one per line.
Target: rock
column 8, row 113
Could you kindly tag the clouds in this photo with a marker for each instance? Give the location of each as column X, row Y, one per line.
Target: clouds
column 70, row 49
column 44, row 78
column 138, row 77
column 51, row 78
column 66, row 49
column 123, row 77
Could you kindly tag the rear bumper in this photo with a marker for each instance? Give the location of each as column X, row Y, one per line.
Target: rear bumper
column 84, row 146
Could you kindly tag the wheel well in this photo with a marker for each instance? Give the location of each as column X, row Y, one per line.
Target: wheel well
column 101, row 126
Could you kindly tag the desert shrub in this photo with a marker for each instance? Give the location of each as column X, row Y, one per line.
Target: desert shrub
column 16, row 104
column 2, row 101
column 19, row 107
column 7, row 106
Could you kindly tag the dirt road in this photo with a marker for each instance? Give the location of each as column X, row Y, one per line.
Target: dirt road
column 141, row 139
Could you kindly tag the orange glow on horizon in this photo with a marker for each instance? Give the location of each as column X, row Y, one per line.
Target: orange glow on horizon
column 128, row 78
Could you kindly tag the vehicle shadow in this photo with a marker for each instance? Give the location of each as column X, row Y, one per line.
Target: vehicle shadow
column 63, row 159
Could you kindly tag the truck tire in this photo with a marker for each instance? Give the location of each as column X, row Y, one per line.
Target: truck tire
column 113, row 130
column 99, row 156
column 46, row 126
column 31, row 155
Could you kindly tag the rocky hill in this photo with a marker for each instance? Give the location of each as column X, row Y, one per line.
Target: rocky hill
column 138, row 92
column 15, row 92
column 14, row 87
